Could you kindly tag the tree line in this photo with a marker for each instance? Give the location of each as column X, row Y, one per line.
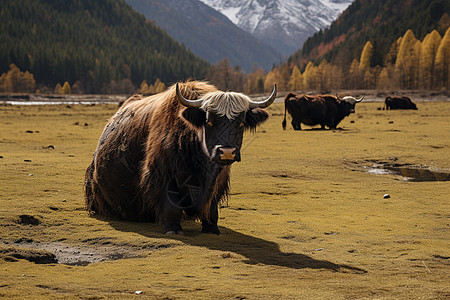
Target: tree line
column 100, row 46
column 378, row 21
column 409, row 64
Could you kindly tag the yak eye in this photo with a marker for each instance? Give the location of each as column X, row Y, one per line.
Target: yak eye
column 242, row 124
column 210, row 123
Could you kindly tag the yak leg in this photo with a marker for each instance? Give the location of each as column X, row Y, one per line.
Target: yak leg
column 296, row 124
column 115, row 190
column 331, row 123
column 209, row 225
column 172, row 218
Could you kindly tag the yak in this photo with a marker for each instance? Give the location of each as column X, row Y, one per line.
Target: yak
column 398, row 103
column 169, row 154
column 326, row 110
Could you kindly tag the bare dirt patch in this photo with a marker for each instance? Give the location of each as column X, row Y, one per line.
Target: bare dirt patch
column 63, row 253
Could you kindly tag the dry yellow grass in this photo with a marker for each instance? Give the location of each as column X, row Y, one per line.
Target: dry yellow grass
column 305, row 219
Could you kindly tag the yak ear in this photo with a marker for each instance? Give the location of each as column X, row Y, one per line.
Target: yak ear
column 254, row 117
column 195, row 116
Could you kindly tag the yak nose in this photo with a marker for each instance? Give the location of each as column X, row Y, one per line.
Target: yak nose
column 227, row 153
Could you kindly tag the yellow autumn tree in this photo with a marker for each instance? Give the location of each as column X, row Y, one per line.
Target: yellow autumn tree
column 310, row 76
column 428, row 52
column 442, row 61
column 6, row 85
column 157, row 87
column 144, row 87
column 364, row 66
column 255, row 82
column 283, row 81
column 370, row 78
column 15, row 81
column 271, row 78
column 324, row 76
column 391, row 56
column 160, row 86
column 57, row 89
column 384, row 82
column 407, row 64
column 65, row 89
column 366, row 56
column 296, row 80
column 416, row 65
column 355, row 75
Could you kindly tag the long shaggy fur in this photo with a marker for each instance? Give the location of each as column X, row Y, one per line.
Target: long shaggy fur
column 144, row 145
column 229, row 104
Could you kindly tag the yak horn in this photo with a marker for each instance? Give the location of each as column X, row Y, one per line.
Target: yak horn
column 360, row 99
column 186, row 102
column 267, row 102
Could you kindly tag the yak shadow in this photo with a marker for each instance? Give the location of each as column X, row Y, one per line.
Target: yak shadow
column 255, row 250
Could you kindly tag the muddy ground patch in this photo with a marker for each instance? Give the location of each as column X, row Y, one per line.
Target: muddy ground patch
column 63, row 253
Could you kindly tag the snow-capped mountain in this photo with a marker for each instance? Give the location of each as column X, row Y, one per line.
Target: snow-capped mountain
column 284, row 24
column 208, row 33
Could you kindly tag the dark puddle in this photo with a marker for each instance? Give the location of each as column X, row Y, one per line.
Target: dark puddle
column 410, row 172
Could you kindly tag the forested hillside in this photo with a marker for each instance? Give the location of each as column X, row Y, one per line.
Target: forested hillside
column 99, row 46
column 375, row 45
column 409, row 64
column 379, row 21
column 76, row 46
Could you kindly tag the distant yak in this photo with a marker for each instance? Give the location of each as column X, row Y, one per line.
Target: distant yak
column 325, row 110
column 171, row 153
column 398, row 103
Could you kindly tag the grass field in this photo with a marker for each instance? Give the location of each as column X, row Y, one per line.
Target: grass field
column 307, row 217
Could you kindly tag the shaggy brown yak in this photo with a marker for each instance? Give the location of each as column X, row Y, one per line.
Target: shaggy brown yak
column 165, row 154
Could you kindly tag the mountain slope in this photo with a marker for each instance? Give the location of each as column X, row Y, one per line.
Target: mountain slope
column 284, row 24
column 207, row 32
column 94, row 42
column 380, row 22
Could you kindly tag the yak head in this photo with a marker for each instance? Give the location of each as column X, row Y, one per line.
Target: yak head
column 221, row 118
column 348, row 104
